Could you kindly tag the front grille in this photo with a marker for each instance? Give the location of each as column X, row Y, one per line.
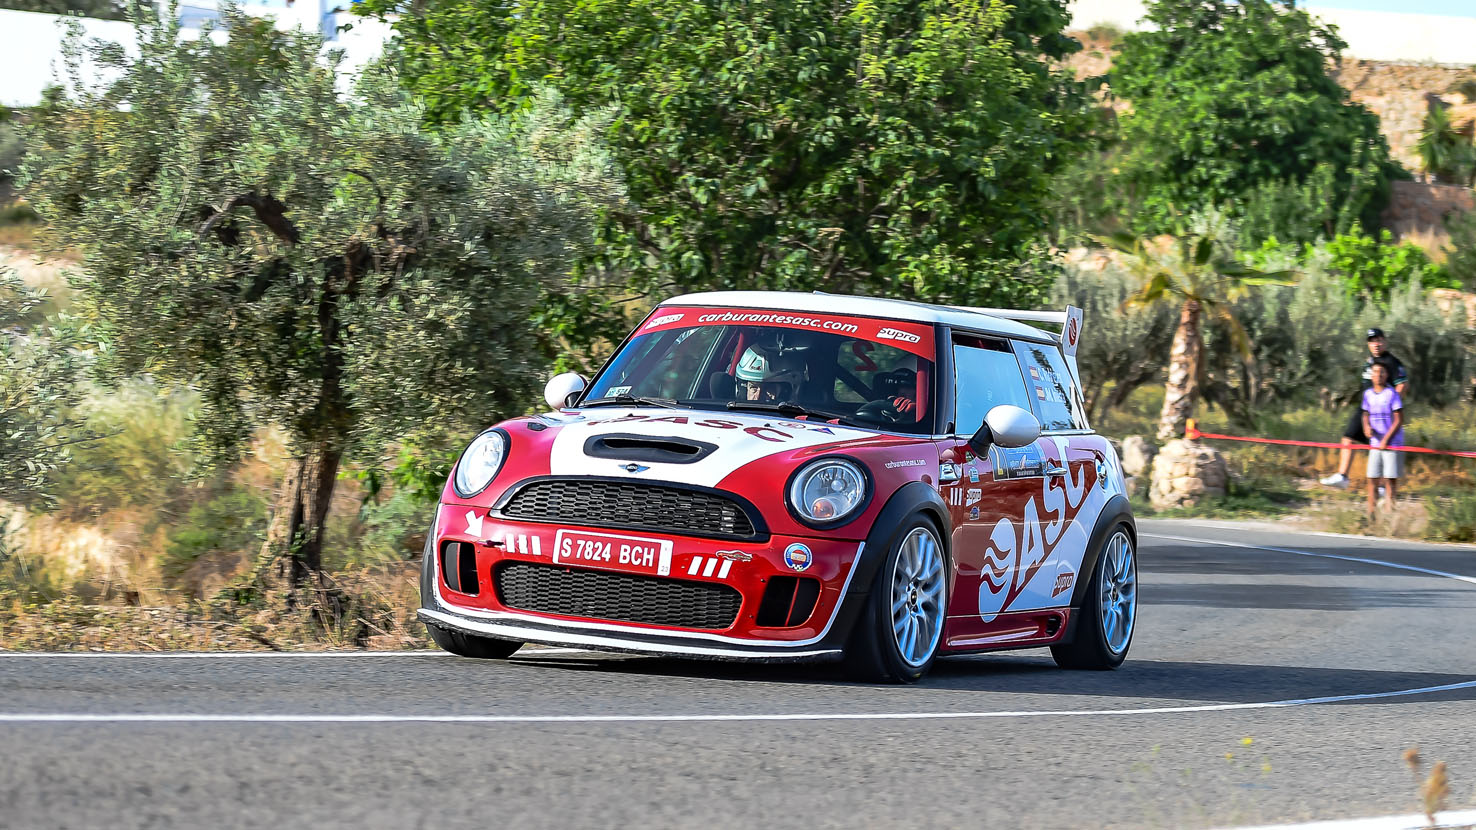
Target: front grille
column 613, row 596
column 630, row 504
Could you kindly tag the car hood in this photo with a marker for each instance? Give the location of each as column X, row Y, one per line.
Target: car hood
column 680, row 445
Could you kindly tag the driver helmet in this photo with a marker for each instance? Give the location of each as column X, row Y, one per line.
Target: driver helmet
column 769, row 374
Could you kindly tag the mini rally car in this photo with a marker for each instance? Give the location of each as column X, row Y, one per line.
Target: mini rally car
column 775, row 476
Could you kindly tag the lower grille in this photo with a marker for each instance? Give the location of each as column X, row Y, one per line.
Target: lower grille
column 619, row 597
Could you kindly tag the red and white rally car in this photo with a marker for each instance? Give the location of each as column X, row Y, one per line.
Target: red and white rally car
column 776, row 476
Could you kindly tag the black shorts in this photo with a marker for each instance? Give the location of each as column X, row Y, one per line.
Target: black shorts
column 1354, row 432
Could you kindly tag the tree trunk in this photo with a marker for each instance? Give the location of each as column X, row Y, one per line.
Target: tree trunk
column 293, row 551
column 1183, row 376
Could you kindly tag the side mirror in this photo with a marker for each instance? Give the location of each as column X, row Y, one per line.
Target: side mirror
column 561, row 387
column 1006, row 426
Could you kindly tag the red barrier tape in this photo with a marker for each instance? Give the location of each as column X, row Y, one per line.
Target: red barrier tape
column 1192, row 433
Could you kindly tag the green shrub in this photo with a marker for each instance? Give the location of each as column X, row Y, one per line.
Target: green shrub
column 141, row 460
column 233, row 519
column 1454, row 520
column 1375, row 267
column 1435, row 345
column 1461, row 264
column 1304, row 339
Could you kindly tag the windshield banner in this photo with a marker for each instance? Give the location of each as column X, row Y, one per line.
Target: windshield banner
column 907, row 336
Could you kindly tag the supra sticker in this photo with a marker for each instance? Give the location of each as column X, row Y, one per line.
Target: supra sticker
column 664, row 320
column 798, row 557
column 1063, row 584
column 894, row 334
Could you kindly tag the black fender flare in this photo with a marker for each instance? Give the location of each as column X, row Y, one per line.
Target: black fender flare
column 911, row 498
column 1117, row 511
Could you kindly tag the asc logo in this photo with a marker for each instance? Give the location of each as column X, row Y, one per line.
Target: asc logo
column 894, row 334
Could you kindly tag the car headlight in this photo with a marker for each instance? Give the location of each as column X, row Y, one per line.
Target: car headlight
column 479, row 464
column 827, row 491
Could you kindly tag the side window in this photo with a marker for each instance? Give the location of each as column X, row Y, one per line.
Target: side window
column 1052, row 391
column 985, row 375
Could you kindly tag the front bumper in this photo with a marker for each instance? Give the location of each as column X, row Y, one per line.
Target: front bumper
column 818, row 638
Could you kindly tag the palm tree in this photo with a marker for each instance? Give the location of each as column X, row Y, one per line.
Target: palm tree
column 1199, row 272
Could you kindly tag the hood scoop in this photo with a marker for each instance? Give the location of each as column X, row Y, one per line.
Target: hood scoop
column 648, row 448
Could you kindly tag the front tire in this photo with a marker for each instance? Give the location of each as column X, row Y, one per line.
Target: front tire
column 469, row 645
column 897, row 636
column 1109, row 613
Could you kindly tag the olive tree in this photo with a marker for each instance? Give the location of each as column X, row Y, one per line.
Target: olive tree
column 37, row 390
column 309, row 258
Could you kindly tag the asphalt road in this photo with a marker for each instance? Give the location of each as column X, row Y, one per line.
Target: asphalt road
column 1177, row 738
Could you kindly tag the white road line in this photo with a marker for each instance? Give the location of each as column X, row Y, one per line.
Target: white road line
column 233, row 655
column 165, row 717
column 1412, row 821
column 62, row 717
column 1220, row 542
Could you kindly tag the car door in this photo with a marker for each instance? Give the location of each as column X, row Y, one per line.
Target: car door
column 988, row 496
column 1074, row 485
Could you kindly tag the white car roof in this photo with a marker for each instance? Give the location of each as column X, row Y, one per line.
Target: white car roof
column 819, row 302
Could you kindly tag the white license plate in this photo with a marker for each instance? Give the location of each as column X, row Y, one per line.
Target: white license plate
column 613, row 550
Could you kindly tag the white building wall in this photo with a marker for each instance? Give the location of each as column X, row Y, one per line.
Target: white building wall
column 1379, row 36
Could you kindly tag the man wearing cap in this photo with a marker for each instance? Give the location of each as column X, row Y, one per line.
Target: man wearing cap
column 1377, row 354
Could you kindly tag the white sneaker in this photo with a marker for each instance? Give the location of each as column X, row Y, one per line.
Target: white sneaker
column 1337, row 480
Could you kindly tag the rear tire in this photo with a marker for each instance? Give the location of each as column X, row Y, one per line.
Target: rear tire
column 1109, row 613
column 897, row 636
column 469, row 645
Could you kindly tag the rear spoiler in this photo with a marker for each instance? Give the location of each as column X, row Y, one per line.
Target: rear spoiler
column 1069, row 321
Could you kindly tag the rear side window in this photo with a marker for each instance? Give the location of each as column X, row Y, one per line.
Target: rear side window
column 1051, row 390
column 985, row 375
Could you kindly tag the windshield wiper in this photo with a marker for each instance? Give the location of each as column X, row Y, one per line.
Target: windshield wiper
column 789, row 408
column 633, row 400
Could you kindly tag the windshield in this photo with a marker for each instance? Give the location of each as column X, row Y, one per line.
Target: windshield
column 852, row 370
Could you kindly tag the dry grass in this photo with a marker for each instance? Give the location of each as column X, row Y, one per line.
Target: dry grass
column 375, row 609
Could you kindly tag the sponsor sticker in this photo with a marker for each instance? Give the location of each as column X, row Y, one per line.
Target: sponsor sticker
column 616, row 391
column 665, row 320
column 1063, row 584
column 798, row 557
column 1017, row 462
column 911, row 462
column 974, row 513
column 894, row 334
column 974, row 496
column 973, row 475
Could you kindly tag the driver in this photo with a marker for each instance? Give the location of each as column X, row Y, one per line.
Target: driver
column 769, row 374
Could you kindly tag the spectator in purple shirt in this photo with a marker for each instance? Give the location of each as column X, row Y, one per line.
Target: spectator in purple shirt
column 1383, row 420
